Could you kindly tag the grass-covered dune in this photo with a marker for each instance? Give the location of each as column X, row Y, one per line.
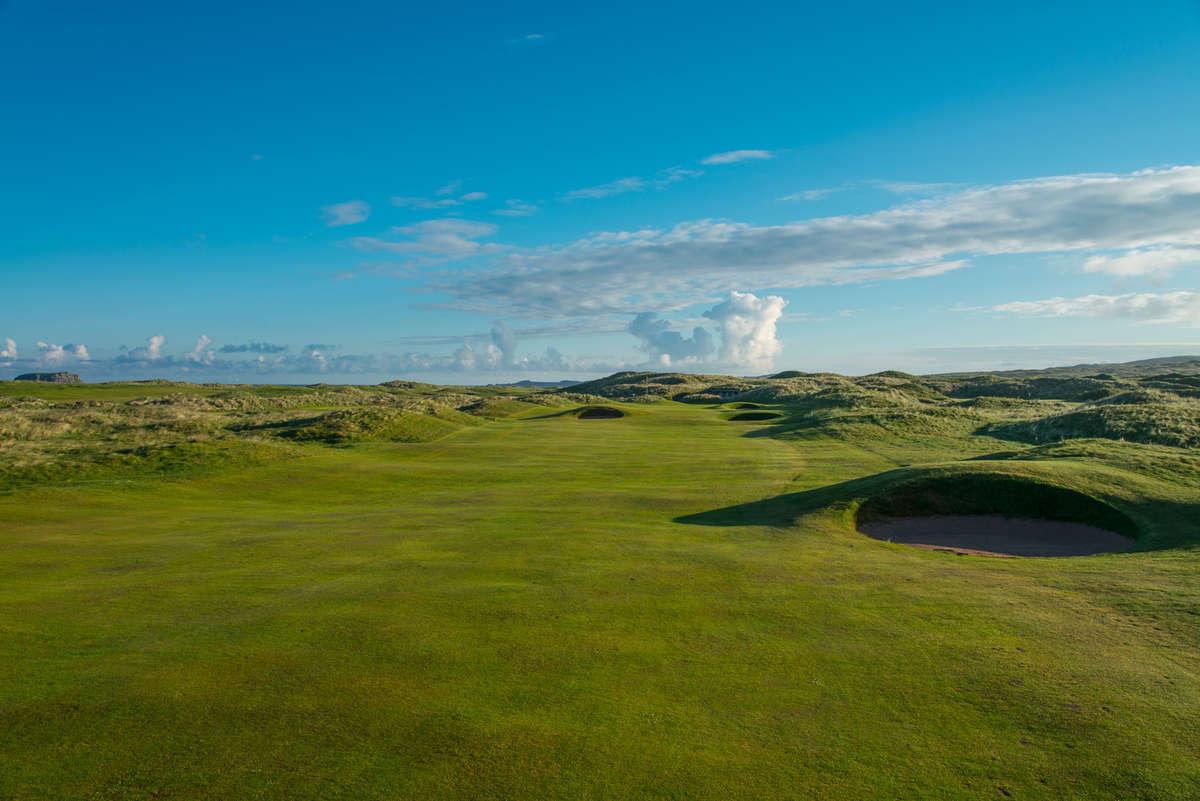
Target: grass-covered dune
column 416, row 592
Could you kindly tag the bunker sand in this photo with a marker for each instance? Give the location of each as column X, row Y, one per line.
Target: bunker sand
column 995, row 535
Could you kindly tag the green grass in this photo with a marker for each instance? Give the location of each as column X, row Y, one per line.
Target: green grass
column 662, row 606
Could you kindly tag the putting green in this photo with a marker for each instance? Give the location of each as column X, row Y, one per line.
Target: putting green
column 672, row 607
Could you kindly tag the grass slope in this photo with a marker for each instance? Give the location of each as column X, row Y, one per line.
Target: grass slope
column 668, row 605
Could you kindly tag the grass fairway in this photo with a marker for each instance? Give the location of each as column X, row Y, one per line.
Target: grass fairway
column 668, row 605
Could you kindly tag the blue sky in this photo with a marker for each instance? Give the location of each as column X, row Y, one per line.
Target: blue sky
column 482, row 192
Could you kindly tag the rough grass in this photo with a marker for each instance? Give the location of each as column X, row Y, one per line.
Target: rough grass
column 1144, row 416
column 536, row 608
column 371, row 425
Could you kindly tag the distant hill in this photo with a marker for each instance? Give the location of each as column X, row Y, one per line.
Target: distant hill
column 1141, row 367
column 527, row 384
column 52, row 378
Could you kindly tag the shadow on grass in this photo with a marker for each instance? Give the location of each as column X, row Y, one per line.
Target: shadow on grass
column 782, row 510
column 1155, row 523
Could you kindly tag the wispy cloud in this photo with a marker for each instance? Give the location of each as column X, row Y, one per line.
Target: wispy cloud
column 253, row 347
column 632, row 271
column 1182, row 307
column 813, row 194
column 617, row 187
column 674, row 175
column 448, row 238
column 735, row 156
column 893, row 187
column 444, row 198
column 1160, row 261
column 351, row 212
column 517, row 208
column 914, row 187
column 528, row 39
column 634, row 183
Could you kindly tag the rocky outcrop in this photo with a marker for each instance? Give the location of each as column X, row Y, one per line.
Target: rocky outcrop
column 53, row 378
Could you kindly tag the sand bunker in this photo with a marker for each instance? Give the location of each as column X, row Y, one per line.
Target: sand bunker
column 995, row 535
column 756, row 416
column 600, row 413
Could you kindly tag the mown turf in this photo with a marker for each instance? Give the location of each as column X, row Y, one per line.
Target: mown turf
column 664, row 607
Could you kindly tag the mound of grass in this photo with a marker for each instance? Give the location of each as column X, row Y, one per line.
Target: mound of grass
column 1144, row 416
column 498, row 408
column 371, row 425
column 144, row 462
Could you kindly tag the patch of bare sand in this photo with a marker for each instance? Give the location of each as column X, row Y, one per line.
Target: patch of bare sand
column 994, row 535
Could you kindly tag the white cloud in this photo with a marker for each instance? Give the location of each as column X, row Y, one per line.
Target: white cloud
column 200, row 353
column 894, row 187
column 449, row 238
column 57, row 355
column 10, row 349
column 634, row 183
column 351, row 212
column 813, row 194
column 505, row 340
column 617, row 187
column 517, row 208
column 747, row 326
column 443, row 199
column 735, row 156
column 528, row 39
column 1181, row 307
column 153, row 351
column 1160, row 261
column 632, row 271
column 673, row 175
column 665, row 347
column 913, row 187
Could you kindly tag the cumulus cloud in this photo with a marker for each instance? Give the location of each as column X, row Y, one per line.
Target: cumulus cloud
column 734, row 156
column 747, row 325
column 1182, row 307
column 632, row 271
column 351, row 212
column 449, row 238
column 200, row 353
column 57, row 355
column 1159, row 261
column 254, row 347
column 10, row 349
column 505, row 340
column 153, row 350
column 666, row 347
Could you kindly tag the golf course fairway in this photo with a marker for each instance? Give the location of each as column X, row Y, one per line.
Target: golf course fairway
column 665, row 605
